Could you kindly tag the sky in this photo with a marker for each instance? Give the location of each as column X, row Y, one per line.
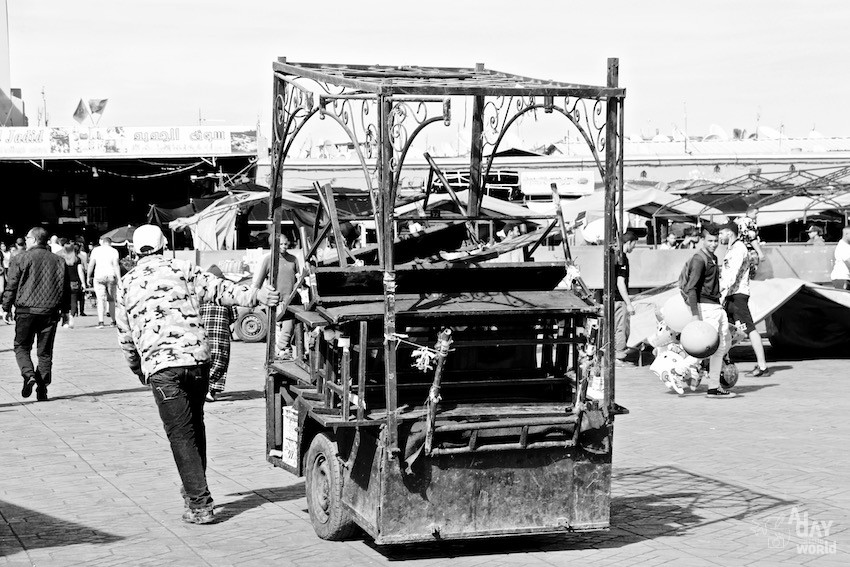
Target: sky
column 169, row 63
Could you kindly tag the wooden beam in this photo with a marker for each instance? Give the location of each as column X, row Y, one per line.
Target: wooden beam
column 476, row 151
column 326, row 195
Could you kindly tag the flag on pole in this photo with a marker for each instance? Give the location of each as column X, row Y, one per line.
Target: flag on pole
column 82, row 112
column 96, row 105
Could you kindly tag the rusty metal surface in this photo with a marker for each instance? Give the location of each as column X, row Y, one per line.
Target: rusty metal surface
column 361, row 489
column 462, row 496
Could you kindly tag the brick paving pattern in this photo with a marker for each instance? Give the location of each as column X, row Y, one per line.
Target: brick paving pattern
column 87, row 478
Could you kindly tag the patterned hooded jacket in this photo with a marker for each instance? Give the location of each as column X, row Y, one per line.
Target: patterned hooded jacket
column 158, row 313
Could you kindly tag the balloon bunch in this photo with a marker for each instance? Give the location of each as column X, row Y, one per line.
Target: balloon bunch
column 681, row 346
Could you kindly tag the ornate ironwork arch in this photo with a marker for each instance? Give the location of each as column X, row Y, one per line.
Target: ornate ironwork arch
column 524, row 105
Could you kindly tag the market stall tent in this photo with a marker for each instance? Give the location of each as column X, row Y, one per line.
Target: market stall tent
column 644, row 202
column 798, row 313
column 214, row 228
column 801, row 207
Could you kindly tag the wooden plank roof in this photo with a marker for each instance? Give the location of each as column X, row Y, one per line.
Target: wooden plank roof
column 417, row 80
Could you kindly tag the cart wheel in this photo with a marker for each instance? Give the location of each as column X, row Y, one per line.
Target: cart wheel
column 251, row 327
column 331, row 519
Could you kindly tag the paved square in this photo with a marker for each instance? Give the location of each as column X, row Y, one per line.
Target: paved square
column 87, row 478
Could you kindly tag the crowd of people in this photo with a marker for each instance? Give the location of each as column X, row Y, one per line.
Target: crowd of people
column 173, row 319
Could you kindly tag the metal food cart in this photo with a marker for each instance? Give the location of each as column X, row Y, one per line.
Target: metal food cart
column 434, row 394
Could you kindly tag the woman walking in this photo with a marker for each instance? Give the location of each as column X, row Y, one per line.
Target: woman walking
column 76, row 275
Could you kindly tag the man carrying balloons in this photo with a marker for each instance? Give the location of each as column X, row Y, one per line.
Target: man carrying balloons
column 735, row 291
column 701, row 290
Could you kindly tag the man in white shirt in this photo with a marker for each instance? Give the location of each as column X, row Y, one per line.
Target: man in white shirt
column 735, row 291
column 55, row 245
column 104, row 274
column 669, row 242
column 840, row 275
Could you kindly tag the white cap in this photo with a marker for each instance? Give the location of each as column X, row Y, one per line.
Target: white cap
column 148, row 239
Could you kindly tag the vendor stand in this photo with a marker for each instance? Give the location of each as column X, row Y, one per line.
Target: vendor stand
column 435, row 395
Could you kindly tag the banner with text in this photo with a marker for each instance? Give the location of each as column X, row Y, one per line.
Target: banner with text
column 129, row 142
column 570, row 182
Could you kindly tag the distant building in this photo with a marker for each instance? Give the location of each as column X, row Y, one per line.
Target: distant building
column 11, row 103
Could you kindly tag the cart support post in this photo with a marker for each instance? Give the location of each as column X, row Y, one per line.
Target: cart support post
column 476, row 154
column 612, row 240
column 387, row 241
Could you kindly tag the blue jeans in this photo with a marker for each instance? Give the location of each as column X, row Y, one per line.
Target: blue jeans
column 179, row 394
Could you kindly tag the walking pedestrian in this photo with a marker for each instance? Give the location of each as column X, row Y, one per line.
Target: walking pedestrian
column 735, row 291
column 38, row 288
column 80, row 249
column 20, row 247
column 160, row 332
column 216, row 320
column 840, row 275
column 76, row 276
column 748, row 233
column 104, row 274
column 702, row 294
column 5, row 256
column 623, row 308
column 55, row 245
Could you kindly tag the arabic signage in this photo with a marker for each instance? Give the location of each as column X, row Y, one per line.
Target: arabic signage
column 119, row 141
column 570, row 182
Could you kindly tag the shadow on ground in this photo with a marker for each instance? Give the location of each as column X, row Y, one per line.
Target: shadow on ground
column 257, row 498
column 744, row 353
column 23, row 529
column 81, row 395
column 647, row 503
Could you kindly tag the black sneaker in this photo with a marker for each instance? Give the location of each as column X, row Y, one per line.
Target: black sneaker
column 719, row 393
column 29, row 384
column 756, row 372
column 41, row 395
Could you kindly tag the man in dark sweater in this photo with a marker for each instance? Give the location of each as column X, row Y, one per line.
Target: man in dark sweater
column 702, row 292
column 41, row 293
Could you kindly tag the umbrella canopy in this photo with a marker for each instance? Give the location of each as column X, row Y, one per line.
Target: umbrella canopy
column 120, row 236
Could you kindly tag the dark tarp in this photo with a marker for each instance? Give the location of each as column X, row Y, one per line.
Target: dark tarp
column 798, row 314
column 161, row 216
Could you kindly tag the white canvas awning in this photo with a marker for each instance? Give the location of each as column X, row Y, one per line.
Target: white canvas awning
column 644, row 202
column 214, row 228
column 800, row 208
